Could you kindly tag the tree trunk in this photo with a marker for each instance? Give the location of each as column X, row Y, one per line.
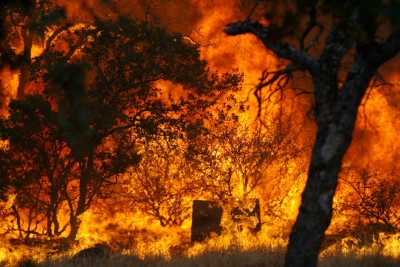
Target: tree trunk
column 16, row 214
column 335, row 109
column 23, row 79
column 335, row 116
column 25, row 64
column 86, row 171
column 316, row 209
column 74, row 223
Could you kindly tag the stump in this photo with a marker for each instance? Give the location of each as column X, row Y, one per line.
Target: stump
column 240, row 215
column 206, row 219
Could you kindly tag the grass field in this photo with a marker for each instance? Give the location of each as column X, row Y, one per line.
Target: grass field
column 165, row 249
column 220, row 252
column 254, row 258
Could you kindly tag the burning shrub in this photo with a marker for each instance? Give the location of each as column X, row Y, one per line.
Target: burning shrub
column 234, row 161
column 162, row 185
column 370, row 200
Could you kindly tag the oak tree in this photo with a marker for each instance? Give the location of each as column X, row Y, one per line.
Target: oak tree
column 317, row 37
column 107, row 85
column 36, row 165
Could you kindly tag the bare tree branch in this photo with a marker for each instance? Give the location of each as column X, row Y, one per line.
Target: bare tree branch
column 278, row 80
column 311, row 25
column 282, row 50
column 386, row 50
column 55, row 34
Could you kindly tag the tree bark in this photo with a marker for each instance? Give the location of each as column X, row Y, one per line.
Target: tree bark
column 316, row 209
column 336, row 114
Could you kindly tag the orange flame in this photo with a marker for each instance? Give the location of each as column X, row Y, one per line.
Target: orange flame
column 375, row 145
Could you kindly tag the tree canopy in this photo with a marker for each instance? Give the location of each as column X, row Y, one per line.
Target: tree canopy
column 102, row 94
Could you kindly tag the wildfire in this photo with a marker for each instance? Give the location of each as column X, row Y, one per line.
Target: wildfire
column 162, row 228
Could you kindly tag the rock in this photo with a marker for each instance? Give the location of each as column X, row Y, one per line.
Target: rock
column 126, row 261
column 98, row 251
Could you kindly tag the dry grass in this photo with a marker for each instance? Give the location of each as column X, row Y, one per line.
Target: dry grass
column 352, row 260
column 211, row 259
column 236, row 251
column 233, row 257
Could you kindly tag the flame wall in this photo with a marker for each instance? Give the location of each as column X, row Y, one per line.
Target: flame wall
column 375, row 143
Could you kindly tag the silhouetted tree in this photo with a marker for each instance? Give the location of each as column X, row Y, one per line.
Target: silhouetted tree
column 7, row 55
column 106, row 82
column 163, row 185
column 366, row 34
column 371, row 199
column 233, row 157
column 24, row 24
column 37, row 164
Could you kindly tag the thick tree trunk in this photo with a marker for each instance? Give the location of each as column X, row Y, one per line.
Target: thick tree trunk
column 336, row 113
column 316, row 209
column 335, row 109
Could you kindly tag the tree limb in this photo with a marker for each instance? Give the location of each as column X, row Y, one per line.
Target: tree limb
column 55, row 34
column 279, row 79
column 337, row 44
column 282, row 50
column 386, row 50
column 311, row 25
